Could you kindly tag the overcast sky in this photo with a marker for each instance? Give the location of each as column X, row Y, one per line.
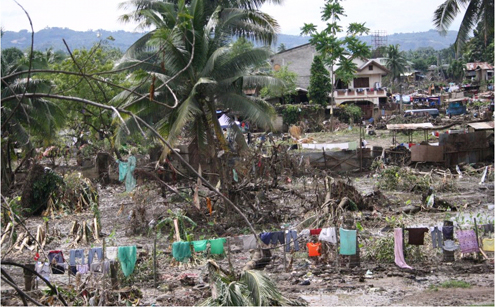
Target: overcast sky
column 392, row 16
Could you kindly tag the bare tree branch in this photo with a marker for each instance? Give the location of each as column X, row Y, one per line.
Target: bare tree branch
column 21, row 293
column 54, row 289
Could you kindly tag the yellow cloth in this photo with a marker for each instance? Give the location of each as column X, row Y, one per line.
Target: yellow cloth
column 488, row 245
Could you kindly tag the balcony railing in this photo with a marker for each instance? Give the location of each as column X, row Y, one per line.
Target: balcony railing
column 360, row 92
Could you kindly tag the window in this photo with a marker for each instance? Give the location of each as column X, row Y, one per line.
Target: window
column 361, row 82
column 370, row 67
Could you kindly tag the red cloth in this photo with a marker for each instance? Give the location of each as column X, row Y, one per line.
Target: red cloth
column 315, row 232
column 314, row 249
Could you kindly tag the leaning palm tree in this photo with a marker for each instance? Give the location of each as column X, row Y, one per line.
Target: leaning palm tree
column 189, row 69
column 477, row 11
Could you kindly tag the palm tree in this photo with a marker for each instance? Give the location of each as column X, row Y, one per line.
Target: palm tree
column 25, row 118
column 189, row 53
column 396, row 62
column 477, row 11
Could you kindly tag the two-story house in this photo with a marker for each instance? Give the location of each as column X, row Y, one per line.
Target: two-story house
column 365, row 90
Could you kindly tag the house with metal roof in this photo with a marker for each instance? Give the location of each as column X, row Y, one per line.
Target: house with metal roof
column 478, row 71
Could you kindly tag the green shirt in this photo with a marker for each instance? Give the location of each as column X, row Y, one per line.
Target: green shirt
column 217, row 246
column 127, row 257
column 199, row 246
column 181, row 251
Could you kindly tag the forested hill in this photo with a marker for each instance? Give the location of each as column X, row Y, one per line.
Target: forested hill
column 52, row 37
column 416, row 40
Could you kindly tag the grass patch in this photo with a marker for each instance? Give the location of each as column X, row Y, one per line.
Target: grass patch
column 455, row 284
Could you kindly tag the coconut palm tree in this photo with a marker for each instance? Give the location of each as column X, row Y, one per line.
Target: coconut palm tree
column 191, row 71
column 477, row 11
column 396, row 62
column 24, row 118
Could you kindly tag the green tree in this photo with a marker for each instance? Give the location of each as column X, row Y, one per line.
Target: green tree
column 194, row 72
column 98, row 59
column 475, row 50
column 456, row 71
column 319, row 82
column 281, row 47
column 478, row 13
column 288, row 85
column 420, row 64
column 396, row 62
column 241, row 45
column 11, row 55
column 336, row 51
column 25, row 118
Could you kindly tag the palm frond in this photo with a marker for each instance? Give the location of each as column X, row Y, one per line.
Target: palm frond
column 256, row 110
column 468, row 23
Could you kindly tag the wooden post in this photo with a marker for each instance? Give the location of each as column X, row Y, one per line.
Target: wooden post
column 113, row 275
column 177, row 232
column 46, row 227
column 231, row 268
column 283, row 245
column 154, row 263
column 29, row 277
column 476, row 232
column 324, row 157
column 360, row 146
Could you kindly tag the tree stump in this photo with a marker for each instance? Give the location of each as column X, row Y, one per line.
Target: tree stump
column 103, row 160
column 27, row 197
column 29, row 278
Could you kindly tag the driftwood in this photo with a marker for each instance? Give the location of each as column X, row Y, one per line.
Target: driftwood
column 409, row 209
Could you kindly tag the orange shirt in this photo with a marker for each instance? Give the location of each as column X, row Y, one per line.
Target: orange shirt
column 314, row 249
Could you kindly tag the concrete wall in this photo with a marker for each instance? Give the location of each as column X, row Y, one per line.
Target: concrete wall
column 299, row 60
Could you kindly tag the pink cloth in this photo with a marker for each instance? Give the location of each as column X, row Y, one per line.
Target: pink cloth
column 467, row 241
column 399, row 253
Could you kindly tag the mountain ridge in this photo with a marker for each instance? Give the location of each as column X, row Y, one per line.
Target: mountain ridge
column 52, row 38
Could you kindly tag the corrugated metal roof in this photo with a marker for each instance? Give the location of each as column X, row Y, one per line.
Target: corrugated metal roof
column 475, row 65
column 482, row 126
column 421, row 126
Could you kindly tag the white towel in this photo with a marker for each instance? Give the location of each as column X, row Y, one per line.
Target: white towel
column 304, row 232
column 249, row 242
column 328, row 234
column 111, row 252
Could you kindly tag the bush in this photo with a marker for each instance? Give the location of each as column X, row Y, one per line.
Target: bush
column 381, row 249
column 400, row 179
column 350, row 112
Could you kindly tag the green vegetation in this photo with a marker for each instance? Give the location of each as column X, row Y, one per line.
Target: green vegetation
column 287, row 87
column 478, row 13
column 451, row 284
column 334, row 50
column 319, row 83
column 350, row 113
column 293, row 113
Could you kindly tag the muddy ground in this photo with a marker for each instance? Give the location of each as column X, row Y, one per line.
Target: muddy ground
column 329, row 284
